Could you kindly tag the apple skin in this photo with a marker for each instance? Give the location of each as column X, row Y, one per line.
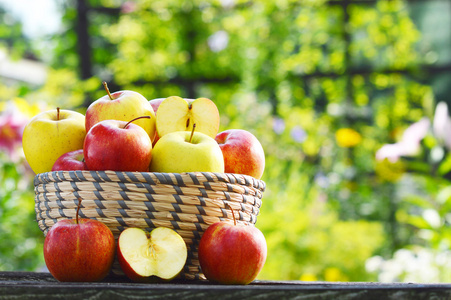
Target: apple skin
column 242, row 151
column 232, row 254
column 125, row 106
column 79, row 252
column 70, row 161
column 173, row 153
column 110, row 146
column 48, row 135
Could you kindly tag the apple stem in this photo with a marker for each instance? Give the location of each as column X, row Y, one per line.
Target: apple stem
column 142, row 117
column 192, row 132
column 57, row 113
column 78, row 210
column 105, row 85
column 233, row 213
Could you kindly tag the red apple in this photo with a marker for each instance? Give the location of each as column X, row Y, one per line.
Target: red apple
column 242, row 151
column 155, row 103
column 117, row 146
column 231, row 253
column 79, row 250
column 70, row 161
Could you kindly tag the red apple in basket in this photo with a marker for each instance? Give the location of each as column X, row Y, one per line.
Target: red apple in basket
column 118, row 146
column 242, row 151
column 70, row 161
column 155, row 103
column 231, row 253
column 144, row 256
column 79, row 250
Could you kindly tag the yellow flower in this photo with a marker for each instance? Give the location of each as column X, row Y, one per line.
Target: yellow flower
column 390, row 171
column 308, row 277
column 29, row 110
column 334, row 274
column 347, row 137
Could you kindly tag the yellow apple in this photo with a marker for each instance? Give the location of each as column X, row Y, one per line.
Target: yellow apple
column 122, row 106
column 178, row 114
column 51, row 134
column 184, row 151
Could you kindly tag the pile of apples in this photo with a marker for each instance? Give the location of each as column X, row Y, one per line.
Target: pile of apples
column 123, row 131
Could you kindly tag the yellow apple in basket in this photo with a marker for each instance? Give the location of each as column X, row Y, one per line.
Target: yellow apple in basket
column 143, row 256
column 51, row 134
column 178, row 114
column 184, row 151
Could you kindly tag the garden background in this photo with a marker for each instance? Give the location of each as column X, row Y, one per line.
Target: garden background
column 348, row 98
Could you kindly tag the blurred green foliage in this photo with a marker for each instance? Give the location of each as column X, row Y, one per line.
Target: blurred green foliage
column 321, row 89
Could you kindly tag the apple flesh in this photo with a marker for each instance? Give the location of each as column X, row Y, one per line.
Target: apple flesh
column 178, row 114
column 162, row 253
column 82, row 251
column 184, row 151
column 123, row 106
column 117, row 146
column 242, row 151
column 50, row 134
column 232, row 254
column 70, row 161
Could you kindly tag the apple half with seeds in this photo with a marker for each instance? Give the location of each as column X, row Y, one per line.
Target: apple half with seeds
column 178, row 114
column 144, row 256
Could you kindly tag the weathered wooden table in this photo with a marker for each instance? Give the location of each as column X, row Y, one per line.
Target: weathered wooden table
column 28, row 285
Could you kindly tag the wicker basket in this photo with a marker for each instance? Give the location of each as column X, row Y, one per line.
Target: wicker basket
column 185, row 202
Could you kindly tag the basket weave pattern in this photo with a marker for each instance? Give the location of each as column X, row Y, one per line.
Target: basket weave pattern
column 185, row 202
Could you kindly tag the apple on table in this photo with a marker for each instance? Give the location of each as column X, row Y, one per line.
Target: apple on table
column 242, row 151
column 118, row 146
column 79, row 250
column 124, row 106
column 50, row 134
column 70, row 161
column 231, row 253
column 184, row 151
column 144, row 256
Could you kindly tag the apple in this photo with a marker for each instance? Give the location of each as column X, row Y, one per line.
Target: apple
column 124, row 106
column 70, row 161
column 178, row 114
column 242, row 151
column 184, row 151
column 155, row 103
column 143, row 256
column 79, row 250
column 231, row 253
column 118, row 146
column 50, row 134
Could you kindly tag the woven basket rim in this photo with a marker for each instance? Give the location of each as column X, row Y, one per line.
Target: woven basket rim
column 158, row 177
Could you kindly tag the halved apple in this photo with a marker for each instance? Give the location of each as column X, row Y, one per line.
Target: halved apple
column 142, row 256
column 178, row 114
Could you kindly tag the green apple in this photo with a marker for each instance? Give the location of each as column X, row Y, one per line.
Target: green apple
column 184, row 151
column 51, row 134
column 122, row 106
column 178, row 114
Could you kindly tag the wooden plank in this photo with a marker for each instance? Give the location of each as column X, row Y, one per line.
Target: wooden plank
column 29, row 285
